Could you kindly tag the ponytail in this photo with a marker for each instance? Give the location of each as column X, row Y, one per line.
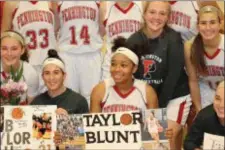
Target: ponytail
column 197, row 55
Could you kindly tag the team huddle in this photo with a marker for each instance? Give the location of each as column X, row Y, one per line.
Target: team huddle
column 113, row 56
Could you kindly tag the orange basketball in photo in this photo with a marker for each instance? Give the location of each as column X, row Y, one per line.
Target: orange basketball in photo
column 126, row 119
column 17, row 113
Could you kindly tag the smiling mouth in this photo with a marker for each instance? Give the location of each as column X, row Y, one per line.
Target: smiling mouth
column 52, row 84
column 221, row 110
column 117, row 77
column 9, row 59
column 208, row 33
column 155, row 23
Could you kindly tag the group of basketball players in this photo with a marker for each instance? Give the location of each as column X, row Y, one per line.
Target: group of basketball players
column 76, row 30
column 41, row 126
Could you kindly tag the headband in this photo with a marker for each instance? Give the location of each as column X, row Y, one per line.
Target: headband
column 127, row 52
column 13, row 35
column 209, row 8
column 54, row 61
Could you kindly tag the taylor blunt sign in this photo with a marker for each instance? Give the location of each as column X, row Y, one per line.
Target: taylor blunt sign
column 112, row 130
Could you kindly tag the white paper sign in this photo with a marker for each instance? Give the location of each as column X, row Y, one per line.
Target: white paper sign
column 29, row 127
column 213, row 142
column 112, row 130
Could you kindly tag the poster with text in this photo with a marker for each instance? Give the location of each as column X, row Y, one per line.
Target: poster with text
column 153, row 129
column 213, row 142
column 28, row 127
column 112, row 130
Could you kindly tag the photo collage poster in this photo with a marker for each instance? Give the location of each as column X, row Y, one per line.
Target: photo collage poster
column 28, row 127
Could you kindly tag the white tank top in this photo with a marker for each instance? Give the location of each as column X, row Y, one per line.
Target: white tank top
column 115, row 101
column 152, row 123
column 122, row 22
column 35, row 21
column 215, row 66
column 79, row 31
column 183, row 18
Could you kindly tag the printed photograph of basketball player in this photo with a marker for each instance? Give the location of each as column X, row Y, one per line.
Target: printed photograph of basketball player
column 42, row 126
column 154, row 128
column 71, row 129
column 1, row 118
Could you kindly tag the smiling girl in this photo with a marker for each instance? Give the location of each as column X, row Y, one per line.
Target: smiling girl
column 53, row 74
column 205, row 57
column 184, row 16
column 160, row 50
column 14, row 53
column 122, row 92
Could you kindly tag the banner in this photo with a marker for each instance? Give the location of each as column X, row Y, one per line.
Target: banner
column 112, row 130
column 28, row 127
column 119, row 130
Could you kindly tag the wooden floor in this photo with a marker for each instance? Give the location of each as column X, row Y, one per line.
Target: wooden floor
column 77, row 142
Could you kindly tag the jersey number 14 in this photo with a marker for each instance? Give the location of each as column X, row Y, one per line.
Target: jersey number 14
column 83, row 35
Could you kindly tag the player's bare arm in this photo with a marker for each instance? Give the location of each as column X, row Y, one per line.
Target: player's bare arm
column 8, row 10
column 102, row 12
column 97, row 96
column 193, row 78
column 151, row 97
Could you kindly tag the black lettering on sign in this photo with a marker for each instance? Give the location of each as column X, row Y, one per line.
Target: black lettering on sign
column 9, row 147
column 137, row 117
column 8, row 125
column 18, row 138
column 90, row 137
column 112, row 137
column 101, row 120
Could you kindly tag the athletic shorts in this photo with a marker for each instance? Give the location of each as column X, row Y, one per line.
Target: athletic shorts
column 178, row 109
column 153, row 130
column 207, row 94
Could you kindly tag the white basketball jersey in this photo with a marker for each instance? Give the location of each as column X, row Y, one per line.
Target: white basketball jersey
column 115, row 101
column 183, row 18
column 79, row 26
column 35, row 21
column 215, row 66
column 122, row 22
column 152, row 123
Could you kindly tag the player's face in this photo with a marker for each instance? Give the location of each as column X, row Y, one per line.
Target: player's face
column 11, row 51
column 208, row 26
column 218, row 102
column 53, row 77
column 45, row 116
column 156, row 16
column 121, row 68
